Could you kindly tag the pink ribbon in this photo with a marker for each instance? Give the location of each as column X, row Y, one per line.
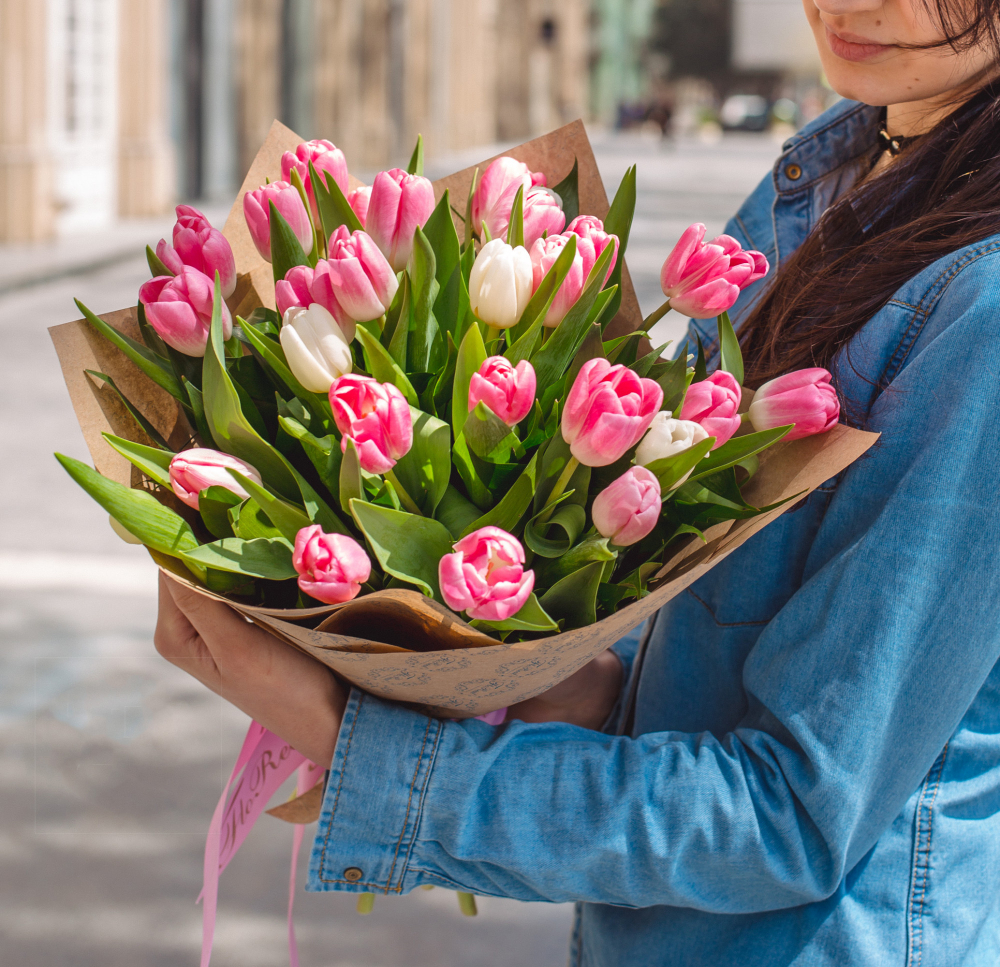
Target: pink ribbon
column 266, row 761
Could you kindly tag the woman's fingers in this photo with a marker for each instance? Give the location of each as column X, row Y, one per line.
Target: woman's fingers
column 177, row 640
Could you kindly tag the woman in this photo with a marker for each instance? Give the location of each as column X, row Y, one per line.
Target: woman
column 810, row 771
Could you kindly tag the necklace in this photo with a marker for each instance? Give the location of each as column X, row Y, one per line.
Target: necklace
column 889, row 143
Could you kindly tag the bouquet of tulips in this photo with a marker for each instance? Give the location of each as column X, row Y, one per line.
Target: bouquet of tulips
column 434, row 404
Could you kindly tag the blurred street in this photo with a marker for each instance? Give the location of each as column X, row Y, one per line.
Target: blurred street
column 111, row 761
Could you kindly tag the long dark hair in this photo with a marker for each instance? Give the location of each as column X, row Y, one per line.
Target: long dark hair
column 941, row 194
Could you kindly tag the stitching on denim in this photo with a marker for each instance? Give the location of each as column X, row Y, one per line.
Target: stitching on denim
column 905, row 305
column 921, row 867
column 336, row 798
column 725, row 624
column 421, row 799
column 409, row 803
column 743, row 229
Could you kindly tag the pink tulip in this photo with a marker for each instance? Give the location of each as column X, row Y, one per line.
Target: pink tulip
column 359, row 200
column 543, row 215
column 804, row 397
column 704, row 280
column 509, row 391
column 627, row 510
column 399, row 204
column 179, row 308
column 354, row 284
column 375, row 416
column 485, row 575
column 201, row 247
column 195, row 470
column 713, row 404
column 288, row 202
column 592, row 228
column 607, row 411
column 588, row 249
column 495, row 193
column 326, row 157
column 331, row 567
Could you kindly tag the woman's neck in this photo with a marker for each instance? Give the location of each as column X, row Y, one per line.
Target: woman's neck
column 911, row 118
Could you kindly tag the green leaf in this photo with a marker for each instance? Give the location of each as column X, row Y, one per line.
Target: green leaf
column 317, row 509
column 461, row 456
column 538, row 305
column 670, row 470
column 332, row 204
column 700, row 369
column 471, row 355
column 641, row 366
column 515, row 502
column 260, row 558
column 383, row 367
column 213, row 505
column 559, row 533
column 286, row 250
column 399, row 340
column 485, row 431
column 155, row 265
column 154, row 366
column 452, row 298
column 568, row 190
column 351, row 485
column 323, row 452
column 427, row 350
column 139, row 512
column 531, row 617
column 515, row 227
column 729, row 349
column 574, row 598
column 196, row 411
column 590, row 549
column 455, row 512
column 554, row 357
column 425, row 469
column 140, row 420
column 231, row 430
column 153, row 341
column 407, row 546
column 674, row 383
column 152, row 461
column 553, row 461
column 470, row 229
column 619, row 222
column 250, row 522
column 416, row 165
column 288, row 518
column 590, row 348
column 739, row 448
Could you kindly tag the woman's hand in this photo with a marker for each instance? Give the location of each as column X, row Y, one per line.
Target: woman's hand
column 586, row 698
column 284, row 690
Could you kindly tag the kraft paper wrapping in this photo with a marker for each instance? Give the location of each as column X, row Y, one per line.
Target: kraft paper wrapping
column 397, row 644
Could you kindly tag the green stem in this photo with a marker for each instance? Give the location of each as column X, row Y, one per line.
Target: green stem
column 557, row 490
column 492, row 334
column 366, row 903
column 656, row 315
column 467, row 904
column 404, row 498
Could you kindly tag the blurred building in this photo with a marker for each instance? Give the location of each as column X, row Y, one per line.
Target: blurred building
column 115, row 107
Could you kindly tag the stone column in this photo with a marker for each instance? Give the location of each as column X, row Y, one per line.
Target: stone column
column 27, row 211
column 146, row 164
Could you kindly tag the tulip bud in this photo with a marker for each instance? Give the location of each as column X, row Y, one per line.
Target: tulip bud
column 589, row 228
column 331, row 567
column 500, row 283
column 376, row 417
column 543, row 215
column 288, row 202
column 179, row 309
column 325, row 157
column 195, row 470
column 607, row 411
column 315, row 347
column 359, row 200
column 507, row 390
column 667, row 437
column 198, row 245
column 485, row 575
column 714, row 404
column 399, row 204
column 627, row 510
column 804, row 397
column 494, row 197
column 704, row 280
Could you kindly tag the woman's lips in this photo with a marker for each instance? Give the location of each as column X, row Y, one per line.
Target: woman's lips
column 851, row 50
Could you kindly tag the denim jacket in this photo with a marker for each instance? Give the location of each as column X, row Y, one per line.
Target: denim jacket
column 813, row 775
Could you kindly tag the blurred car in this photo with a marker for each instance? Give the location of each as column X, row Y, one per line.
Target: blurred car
column 745, row 112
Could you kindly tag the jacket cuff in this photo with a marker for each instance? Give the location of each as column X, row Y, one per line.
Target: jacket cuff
column 374, row 797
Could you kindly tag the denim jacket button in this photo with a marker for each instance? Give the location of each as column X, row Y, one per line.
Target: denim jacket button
column 352, row 874
column 793, row 172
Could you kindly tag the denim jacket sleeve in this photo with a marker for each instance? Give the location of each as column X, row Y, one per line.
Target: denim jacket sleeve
column 853, row 690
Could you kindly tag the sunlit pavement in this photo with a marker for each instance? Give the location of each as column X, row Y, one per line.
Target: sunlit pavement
column 111, row 760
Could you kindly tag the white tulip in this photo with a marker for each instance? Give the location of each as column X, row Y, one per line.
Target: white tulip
column 667, row 437
column 315, row 347
column 500, row 283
